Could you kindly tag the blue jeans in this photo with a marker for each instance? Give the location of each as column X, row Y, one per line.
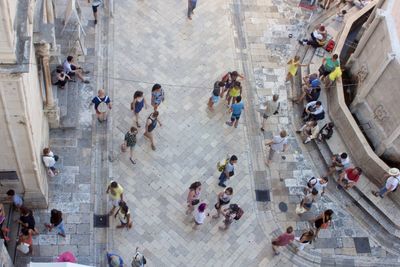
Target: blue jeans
column 382, row 191
column 191, row 7
column 60, row 228
column 222, row 178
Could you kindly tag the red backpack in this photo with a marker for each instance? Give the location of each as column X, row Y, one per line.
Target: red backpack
column 330, row 45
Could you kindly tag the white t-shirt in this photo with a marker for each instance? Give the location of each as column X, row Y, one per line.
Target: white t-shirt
column 49, row 160
column 320, row 187
column 278, row 143
column 67, row 67
column 199, row 217
column 392, row 181
column 317, row 110
column 345, row 162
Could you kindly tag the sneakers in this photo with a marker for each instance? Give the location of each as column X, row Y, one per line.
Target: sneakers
column 222, row 185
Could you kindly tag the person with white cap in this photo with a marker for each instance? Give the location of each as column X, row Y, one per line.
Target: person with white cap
column 392, row 182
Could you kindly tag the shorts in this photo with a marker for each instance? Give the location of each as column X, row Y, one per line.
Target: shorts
column 235, row 117
column 214, row 99
column 114, row 202
column 271, row 153
column 94, row 8
column 72, row 73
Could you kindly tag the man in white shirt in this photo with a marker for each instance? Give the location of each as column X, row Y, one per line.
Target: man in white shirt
column 392, row 182
column 71, row 69
column 277, row 144
column 314, row 111
column 339, row 163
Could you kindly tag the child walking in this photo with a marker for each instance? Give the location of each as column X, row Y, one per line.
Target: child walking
column 215, row 94
column 236, row 110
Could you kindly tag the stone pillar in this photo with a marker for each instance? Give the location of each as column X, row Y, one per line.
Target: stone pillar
column 51, row 110
column 7, row 40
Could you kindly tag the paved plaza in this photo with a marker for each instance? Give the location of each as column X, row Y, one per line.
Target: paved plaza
column 149, row 42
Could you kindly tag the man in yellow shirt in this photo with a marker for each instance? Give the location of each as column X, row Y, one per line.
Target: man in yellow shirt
column 116, row 195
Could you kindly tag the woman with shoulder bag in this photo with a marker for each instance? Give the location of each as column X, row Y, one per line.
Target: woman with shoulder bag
column 323, row 221
column 193, row 197
column 224, row 198
column 130, row 141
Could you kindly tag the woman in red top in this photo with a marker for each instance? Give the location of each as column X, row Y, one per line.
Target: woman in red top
column 349, row 178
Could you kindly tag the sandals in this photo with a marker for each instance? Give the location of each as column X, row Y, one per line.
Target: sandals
column 137, row 124
column 133, row 161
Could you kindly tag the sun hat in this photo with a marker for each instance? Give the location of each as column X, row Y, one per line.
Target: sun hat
column 394, row 171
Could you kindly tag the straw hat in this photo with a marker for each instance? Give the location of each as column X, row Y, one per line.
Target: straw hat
column 394, row 171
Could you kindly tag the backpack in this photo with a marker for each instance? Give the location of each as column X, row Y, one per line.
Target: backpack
column 239, row 214
column 312, row 182
column 330, row 45
column 138, row 260
column 222, row 164
column 102, row 107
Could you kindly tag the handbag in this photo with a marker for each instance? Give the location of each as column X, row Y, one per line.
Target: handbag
column 195, row 202
column 300, row 209
column 123, row 147
column 23, row 247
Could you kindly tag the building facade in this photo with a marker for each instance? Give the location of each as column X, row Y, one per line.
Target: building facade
column 27, row 107
column 376, row 63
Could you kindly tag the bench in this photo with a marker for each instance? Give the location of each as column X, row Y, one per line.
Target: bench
column 361, row 192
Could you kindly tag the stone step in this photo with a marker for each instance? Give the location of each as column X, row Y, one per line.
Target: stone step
column 69, row 103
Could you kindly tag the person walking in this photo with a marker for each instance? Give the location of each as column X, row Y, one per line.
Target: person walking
column 151, row 124
column 271, row 108
column 317, row 183
column 236, row 110
column 229, row 79
column 130, row 141
column 124, row 216
column 322, row 221
column 49, row 160
column 116, row 195
column 277, row 144
column 228, row 172
column 215, row 95
column 56, row 221
column 191, row 6
column 102, row 103
column 223, row 198
column 193, row 197
column 26, row 220
column 157, row 96
column 234, row 212
column 307, row 201
column 95, row 5
column 137, row 105
column 306, row 238
column 200, row 215
column 72, row 69
column 233, row 93
column 283, row 240
column 392, row 182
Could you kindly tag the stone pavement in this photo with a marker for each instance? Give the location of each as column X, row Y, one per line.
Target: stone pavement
column 186, row 57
